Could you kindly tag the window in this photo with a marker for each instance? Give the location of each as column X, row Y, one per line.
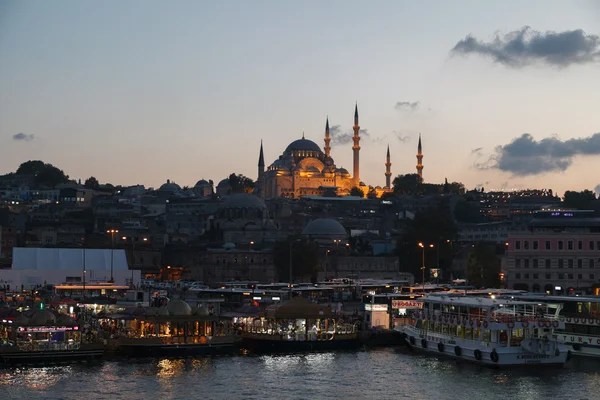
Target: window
column 535, row 263
column 579, row 276
column 518, row 245
column 535, row 244
column 570, row 261
column 518, row 263
column 580, row 263
column 547, row 245
column 570, row 276
column 548, row 263
column 598, row 244
column 580, row 245
column 526, row 276
column 548, row 276
column 561, row 263
column 561, row 245
column 526, row 244
column 591, row 245
column 535, row 276
column 517, row 276
column 592, row 276
column 526, row 263
column 570, row 245
column 591, row 263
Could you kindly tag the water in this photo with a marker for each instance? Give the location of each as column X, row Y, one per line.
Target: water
column 379, row 374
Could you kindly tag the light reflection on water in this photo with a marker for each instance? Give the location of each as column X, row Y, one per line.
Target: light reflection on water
column 380, row 374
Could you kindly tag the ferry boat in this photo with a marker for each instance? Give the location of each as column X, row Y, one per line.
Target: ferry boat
column 581, row 318
column 490, row 331
column 299, row 325
column 45, row 339
column 171, row 331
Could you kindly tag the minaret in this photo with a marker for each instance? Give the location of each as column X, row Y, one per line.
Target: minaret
column 356, row 147
column 261, row 173
column 420, row 159
column 327, row 139
column 388, row 170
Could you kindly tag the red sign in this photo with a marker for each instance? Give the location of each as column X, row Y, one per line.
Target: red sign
column 48, row 328
column 406, row 304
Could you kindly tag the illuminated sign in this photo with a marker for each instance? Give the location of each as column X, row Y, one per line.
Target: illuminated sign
column 48, row 328
column 558, row 214
column 406, row 304
column 376, row 307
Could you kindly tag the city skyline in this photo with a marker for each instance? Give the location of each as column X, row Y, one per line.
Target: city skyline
column 504, row 95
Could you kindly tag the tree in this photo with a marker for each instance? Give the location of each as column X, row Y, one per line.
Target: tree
column 305, row 259
column 483, row 266
column 91, row 183
column 241, row 184
column 355, row 191
column 430, row 227
column 465, row 211
column 407, row 184
column 579, row 200
column 44, row 174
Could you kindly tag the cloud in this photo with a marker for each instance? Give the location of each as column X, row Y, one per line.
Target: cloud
column 406, row 105
column 524, row 47
column 23, row 136
column 401, row 137
column 526, row 156
column 477, row 151
column 340, row 136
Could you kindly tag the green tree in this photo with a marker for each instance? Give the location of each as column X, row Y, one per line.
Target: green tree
column 408, row 184
column 579, row 200
column 483, row 266
column 91, row 183
column 355, row 191
column 44, row 174
column 241, row 184
column 305, row 259
column 430, row 227
column 467, row 212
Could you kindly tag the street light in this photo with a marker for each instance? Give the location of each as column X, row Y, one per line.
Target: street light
column 112, row 251
column 422, row 246
column 291, row 279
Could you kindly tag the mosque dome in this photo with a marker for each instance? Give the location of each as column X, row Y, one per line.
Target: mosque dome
column 313, row 169
column 303, row 144
column 223, row 183
column 170, row 187
column 179, row 307
column 42, row 317
column 243, row 200
column 162, row 311
column 201, row 311
column 201, row 183
column 343, row 171
column 324, row 227
column 21, row 320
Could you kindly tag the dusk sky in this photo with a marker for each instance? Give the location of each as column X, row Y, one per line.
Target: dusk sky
column 506, row 94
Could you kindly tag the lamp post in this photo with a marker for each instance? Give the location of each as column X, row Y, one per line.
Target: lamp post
column 422, row 246
column 291, row 279
column 112, row 251
column 84, row 273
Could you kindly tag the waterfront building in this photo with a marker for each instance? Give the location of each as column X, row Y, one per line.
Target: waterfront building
column 559, row 250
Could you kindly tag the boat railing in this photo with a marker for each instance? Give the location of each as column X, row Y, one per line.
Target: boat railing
column 47, row 346
column 497, row 317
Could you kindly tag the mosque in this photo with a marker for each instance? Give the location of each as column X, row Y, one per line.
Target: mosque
column 303, row 169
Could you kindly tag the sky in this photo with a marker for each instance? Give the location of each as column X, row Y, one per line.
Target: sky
column 506, row 95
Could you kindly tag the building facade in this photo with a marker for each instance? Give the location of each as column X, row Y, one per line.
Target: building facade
column 560, row 251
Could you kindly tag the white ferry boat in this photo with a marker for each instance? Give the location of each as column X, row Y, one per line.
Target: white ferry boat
column 497, row 332
column 581, row 318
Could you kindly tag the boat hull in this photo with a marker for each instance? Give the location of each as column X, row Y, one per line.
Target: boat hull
column 474, row 352
column 40, row 358
column 266, row 345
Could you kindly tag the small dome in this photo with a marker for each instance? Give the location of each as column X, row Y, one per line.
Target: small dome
column 313, row 169
column 243, row 200
column 343, row 171
column 64, row 319
column 223, row 183
column 324, row 227
column 303, row 144
column 42, row 317
column 162, row 311
column 202, row 183
column 170, row 187
column 179, row 307
column 228, row 246
column 201, row 311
